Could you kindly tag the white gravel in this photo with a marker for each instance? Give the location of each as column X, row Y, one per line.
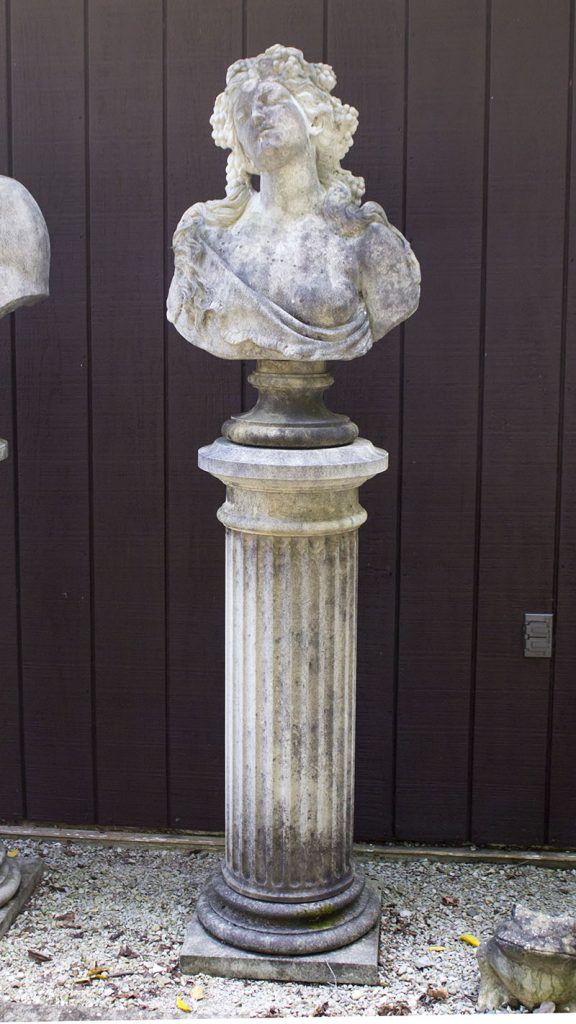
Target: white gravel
column 127, row 909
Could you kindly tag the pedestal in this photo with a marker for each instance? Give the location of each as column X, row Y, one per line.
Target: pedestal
column 287, row 887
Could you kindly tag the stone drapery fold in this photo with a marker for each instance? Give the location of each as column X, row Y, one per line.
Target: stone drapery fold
column 213, row 308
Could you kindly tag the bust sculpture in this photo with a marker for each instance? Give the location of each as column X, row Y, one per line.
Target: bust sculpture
column 24, row 248
column 299, row 269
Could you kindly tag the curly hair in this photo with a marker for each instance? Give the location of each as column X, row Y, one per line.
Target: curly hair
column 332, row 124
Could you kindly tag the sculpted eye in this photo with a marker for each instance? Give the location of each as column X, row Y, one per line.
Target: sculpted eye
column 272, row 95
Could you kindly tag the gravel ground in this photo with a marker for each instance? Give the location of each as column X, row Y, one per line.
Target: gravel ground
column 125, row 910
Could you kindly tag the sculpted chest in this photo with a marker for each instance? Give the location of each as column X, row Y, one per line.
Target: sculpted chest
column 303, row 266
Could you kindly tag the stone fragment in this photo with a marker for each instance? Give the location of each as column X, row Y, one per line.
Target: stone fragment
column 30, row 873
column 530, row 960
column 24, row 248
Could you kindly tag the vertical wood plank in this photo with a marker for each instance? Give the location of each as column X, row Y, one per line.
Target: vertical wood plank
column 297, row 23
column 529, row 59
column 11, row 793
column 562, row 825
column 445, row 155
column 368, row 389
column 51, row 371
column 127, row 323
column 202, row 392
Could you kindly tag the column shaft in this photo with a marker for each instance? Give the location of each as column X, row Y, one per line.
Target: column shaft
column 291, row 632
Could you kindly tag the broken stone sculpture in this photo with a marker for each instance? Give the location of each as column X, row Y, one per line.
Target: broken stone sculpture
column 24, row 273
column 292, row 274
column 300, row 269
column 530, row 960
column 24, row 248
column 24, row 253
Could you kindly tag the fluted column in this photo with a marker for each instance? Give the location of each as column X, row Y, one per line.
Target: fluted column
column 287, row 884
column 291, row 651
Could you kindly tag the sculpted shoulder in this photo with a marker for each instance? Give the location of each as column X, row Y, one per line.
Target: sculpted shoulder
column 390, row 277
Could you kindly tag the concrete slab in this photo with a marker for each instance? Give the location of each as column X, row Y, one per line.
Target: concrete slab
column 31, row 871
column 356, row 964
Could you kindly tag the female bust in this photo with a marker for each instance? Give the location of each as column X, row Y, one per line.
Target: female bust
column 298, row 269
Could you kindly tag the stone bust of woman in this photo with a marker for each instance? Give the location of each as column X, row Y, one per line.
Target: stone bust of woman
column 299, row 269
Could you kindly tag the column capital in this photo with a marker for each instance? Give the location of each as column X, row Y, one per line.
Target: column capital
column 293, row 492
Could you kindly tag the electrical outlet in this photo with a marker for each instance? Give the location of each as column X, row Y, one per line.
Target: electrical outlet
column 538, row 634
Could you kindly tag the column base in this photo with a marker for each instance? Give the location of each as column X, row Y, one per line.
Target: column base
column 31, row 873
column 288, row 929
column 353, row 964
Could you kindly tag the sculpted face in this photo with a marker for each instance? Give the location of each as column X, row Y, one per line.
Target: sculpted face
column 270, row 125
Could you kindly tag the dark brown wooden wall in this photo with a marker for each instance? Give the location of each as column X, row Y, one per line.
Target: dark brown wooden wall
column 111, row 558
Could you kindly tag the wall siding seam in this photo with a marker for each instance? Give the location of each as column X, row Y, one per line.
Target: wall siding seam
column 480, row 422
column 561, row 409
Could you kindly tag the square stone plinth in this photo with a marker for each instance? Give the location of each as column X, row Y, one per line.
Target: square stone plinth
column 356, row 964
column 31, row 872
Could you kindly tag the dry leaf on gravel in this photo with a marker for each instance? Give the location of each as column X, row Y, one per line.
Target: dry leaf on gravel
column 197, row 992
column 397, row 1009
column 182, row 1005
column 433, row 992
column 38, row 957
column 66, row 920
column 127, row 952
column 320, row 1011
column 450, row 901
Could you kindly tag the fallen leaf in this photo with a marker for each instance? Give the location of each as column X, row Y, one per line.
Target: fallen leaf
column 69, row 916
column 182, row 1005
column 470, row 939
column 127, row 952
column 273, row 1011
column 437, row 949
column 450, row 901
column 197, row 992
column 38, row 957
column 66, row 920
column 95, row 973
column 320, row 1011
column 12, row 853
column 399, row 1009
column 437, row 993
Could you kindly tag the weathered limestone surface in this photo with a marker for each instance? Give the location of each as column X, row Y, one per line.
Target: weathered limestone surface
column 354, row 964
column 287, row 884
column 24, row 248
column 530, row 959
column 24, row 273
column 25, row 879
column 299, row 269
